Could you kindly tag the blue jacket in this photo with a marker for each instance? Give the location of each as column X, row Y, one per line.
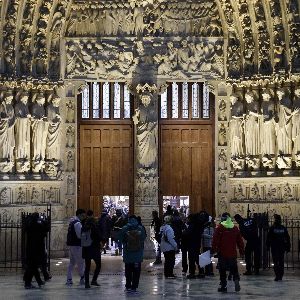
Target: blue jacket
column 132, row 256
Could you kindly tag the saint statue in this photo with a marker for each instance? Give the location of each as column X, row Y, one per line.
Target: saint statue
column 145, row 120
column 7, row 137
column 251, row 125
column 54, row 122
column 236, row 127
column 22, row 133
column 296, row 123
column 39, row 127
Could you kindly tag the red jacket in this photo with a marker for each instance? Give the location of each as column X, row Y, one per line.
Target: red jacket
column 226, row 240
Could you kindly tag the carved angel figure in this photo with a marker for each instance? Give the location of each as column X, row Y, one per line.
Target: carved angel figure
column 296, row 122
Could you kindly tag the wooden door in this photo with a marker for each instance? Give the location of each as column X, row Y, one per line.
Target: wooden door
column 105, row 163
column 186, row 163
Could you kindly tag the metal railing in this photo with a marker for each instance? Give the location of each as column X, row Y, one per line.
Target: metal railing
column 13, row 241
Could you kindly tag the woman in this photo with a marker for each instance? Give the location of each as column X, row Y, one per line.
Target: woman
column 91, row 249
column 168, row 246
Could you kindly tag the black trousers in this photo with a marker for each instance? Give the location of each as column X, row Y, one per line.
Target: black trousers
column 278, row 261
column 193, row 255
column 252, row 247
column 228, row 264
column 169, row 263
column 30, row 271
column 184, row 259
column 132, row 274
column 88, row 267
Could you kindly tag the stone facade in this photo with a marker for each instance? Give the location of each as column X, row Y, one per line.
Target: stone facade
column 244, row 50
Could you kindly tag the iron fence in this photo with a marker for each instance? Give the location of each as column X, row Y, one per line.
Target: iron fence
column 13, row 241
column 264, row 222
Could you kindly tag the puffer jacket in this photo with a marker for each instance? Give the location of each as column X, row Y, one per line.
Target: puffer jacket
column 168, row 242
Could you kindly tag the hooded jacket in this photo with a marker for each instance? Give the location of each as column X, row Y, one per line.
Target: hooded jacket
column 226, row 238
column 132, row 256
column 167, row 239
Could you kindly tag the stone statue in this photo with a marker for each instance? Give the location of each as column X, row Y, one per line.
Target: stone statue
column 296, row 126
column 239, row 192
column 222, row 183
column 284, row 130
column 70, row 185
column 70, row 134
column 22, row 133
column 222, row 160
column 146, row 126
column 222, row 135
column 7, row 136
column 251, row 125
column 54, row 122
column 39, row 127
column 222, row 110
column 267, row 130
column 70, row 162
column 236, row 132
column 70, row 114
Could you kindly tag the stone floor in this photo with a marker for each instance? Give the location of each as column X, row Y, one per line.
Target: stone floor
column 152, row 285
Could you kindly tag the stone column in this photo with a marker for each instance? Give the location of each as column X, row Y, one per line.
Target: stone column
column 146, row 158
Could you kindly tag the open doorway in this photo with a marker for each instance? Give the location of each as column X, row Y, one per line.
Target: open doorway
column 113, row 203
column 181, row 203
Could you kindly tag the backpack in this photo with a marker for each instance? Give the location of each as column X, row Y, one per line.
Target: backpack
column 72, row 239
column 134, row 240
column 86, row 239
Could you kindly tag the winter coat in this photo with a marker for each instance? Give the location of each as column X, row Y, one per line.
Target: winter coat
column 132, row 256
column 93, row 251
column 168, row 242
column 278, row 239
column 248, row 229
column 226, row 238
column 207, row 236
column 105, row 224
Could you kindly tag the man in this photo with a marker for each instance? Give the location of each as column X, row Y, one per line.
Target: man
column 132, row 236
column 74, row 243
column 118, row 222
column 225, row 240
column 279, row 240
column 248, row 229
column 155, row 226
column 104, row 224
column 36, row 230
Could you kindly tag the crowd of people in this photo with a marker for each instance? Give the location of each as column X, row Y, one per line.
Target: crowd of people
column 89, row 236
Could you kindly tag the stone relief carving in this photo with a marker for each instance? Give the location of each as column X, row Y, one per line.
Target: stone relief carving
column 141, row 19
column 69, row 208
column 70, row 111
column 222, row 135
column 222, row 159
column 5, row 196
column 21, row 196
column 222, row 110
column 70, row 161
column 70, row 185
column 70, row 136
column 222, row 183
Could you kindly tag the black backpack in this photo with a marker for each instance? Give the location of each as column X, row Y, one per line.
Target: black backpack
column 72, row 239
column 134, row 242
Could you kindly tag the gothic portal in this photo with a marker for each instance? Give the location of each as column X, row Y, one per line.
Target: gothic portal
column 149, row 99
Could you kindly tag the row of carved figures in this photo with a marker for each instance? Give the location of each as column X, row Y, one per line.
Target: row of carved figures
column 266, row 131
column 29, row 132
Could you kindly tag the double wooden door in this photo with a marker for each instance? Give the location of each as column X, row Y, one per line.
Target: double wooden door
column 186, row 163
column 105, row 163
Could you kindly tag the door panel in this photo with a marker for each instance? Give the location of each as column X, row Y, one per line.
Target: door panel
column 186, row 163
column 106, row 163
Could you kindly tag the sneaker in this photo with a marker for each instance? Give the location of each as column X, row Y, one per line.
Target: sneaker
column 222, row 289
column 95, row 283
column 237, row 286
column 247, row 273
column 69, row 282
column 81, row 282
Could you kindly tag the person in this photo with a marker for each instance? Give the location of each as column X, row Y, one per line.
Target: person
column 278, row 240
column 132, row 236
column 74, row 243
column 207, row 236
column 248, row 229
column 91, row 249
column 155, row 226
column 36, row 229
column 225, row 240
column 169, row 211
column 168, row 246
column 177, row 226
column 104, row 224
column 184, row 247
column 118, row 222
